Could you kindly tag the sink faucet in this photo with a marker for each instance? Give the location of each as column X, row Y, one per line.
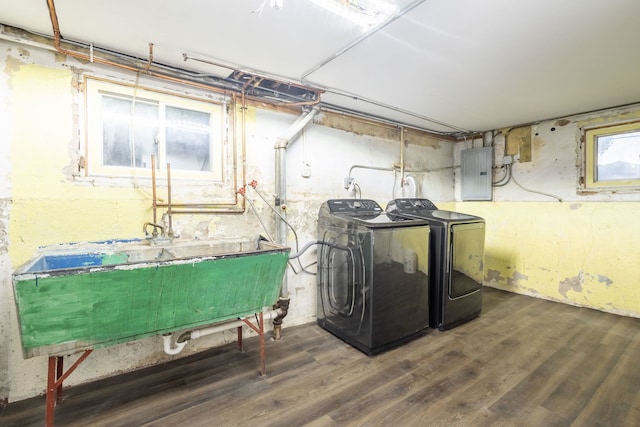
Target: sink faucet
column 154, row 233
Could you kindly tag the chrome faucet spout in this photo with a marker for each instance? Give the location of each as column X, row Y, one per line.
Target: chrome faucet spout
column 155, row 226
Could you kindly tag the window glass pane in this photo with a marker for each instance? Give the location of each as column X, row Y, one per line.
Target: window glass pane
column 188, row 139
column 618, row 156
column 129, row 132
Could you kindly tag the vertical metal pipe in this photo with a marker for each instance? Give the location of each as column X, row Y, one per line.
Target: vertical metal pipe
column 280, row 187
column 244, row 141
column 280, row 202
column 169, row 212
column 280, row 146
column 401, row 156
column 487, row 138
column 153, row 188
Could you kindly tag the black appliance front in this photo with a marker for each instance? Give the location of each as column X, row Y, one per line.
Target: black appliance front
column 373, row 287
column 456, row 265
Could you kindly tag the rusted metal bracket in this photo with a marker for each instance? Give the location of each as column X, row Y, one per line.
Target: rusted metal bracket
column 55, row 378
column 259, row 329
column 56, row 374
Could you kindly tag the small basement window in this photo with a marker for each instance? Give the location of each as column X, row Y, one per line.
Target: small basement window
column 126, row 125
column 612, row 157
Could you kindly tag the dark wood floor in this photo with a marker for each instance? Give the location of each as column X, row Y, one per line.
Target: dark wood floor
column 523, row 362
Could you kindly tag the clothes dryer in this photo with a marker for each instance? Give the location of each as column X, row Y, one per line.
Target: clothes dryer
column 373, row 284
column 456, row 264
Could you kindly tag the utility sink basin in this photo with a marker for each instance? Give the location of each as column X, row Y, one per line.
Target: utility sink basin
column 73, row 297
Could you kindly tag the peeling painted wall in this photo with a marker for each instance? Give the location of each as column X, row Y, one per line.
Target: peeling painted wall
column 47, row 206
column 586, row 255
column 5, row 206
column 580, row 251
column 583, row 250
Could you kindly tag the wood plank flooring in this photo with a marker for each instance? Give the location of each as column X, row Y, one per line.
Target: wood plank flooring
column 523, row 362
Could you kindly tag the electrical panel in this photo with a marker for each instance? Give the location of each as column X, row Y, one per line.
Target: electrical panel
column 476, row 176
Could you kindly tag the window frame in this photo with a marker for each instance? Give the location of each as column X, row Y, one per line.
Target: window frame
column 590, row 183
column 93, row 150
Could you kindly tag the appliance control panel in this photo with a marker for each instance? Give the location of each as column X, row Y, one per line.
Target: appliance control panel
column 353, row 206
column 410, row 206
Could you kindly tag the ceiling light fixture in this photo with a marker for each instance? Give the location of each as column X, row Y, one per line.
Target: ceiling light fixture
column 275, row 5
column 367, row 14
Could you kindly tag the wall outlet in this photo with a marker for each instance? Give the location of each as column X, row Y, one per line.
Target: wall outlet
column 507, row 160
column 305, row 170
column 347, row 182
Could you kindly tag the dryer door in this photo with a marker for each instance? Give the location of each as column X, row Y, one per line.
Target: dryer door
column 466, row 257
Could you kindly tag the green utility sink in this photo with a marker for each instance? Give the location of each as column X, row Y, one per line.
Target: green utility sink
column 82, row 296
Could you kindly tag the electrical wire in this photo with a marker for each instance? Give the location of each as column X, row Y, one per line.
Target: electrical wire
column 253, row 207
column 253, row 185
column 395, row 180
column 319, row 242
column 277, row 213
column 534, row 191
column 505, row 179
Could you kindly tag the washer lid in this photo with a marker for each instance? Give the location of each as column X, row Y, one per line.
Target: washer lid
column 451, row 215
column 401, row 209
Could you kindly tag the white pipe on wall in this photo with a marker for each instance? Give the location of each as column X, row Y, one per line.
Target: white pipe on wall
column 409, row 187
column 169, row 348
column 184, row 338
column 282, row 142
column 281, row 145
column 487, row 139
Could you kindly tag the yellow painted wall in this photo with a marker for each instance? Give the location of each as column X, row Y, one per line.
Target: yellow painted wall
column 580, row 253
column 48, row 206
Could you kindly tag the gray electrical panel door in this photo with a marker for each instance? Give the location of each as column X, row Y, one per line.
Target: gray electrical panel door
column 476, row 173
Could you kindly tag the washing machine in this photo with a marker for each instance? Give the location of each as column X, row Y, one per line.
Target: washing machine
column 456, row 264
column 372, row 276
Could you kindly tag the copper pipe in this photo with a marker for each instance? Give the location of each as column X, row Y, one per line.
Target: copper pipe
column 91, row 58
column 153, row 188
column 195, row 205
column 58, row 46
column 169, row 212
column 150, row 56
column 250, row 81
column 207, row 211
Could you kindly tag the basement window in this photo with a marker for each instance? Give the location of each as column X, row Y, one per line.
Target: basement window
column 128, row 125
column 612, row 158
